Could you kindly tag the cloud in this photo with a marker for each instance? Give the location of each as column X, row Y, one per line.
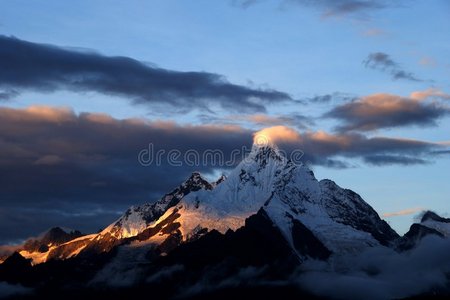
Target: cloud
column 332, row 8
column 403, row 212
column 245, row 3
column 383, row 62
column 49, row 160
column 328, row 98
column 321, row 98
column 275, row 135
column 8, row 94
column 387, row 111
column 7, row 250
column 373, row 32
column 10, row 290
column 48, row 68
column 346, row 7
column 262, row 119
column 440, row 152
column 427, row 61
column 320, row 146
column 59, row 168
column 382, row 160
column 382, row 273
column 429, row 93
column 265, row 120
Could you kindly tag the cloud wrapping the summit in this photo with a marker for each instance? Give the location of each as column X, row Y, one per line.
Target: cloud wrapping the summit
column 275, row 135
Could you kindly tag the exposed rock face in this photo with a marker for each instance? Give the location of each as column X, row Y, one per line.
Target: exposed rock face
column 54, row 237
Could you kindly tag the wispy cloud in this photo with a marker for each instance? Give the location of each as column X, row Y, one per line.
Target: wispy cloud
column 331, row 97
column 428, row 61
column 383, row 62
column 403, row 212
column 259, row 120
column 331, row 8
column 8, row 94
column 373, row 32
column 383, row 160
column 429, row 93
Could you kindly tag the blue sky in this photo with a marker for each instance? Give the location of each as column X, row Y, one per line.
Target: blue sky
column 288, row 46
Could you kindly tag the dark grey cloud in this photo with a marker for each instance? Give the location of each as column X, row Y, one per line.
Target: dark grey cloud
column 382, row 160
column 322, row 98
column 329, row 150
column 387, row 111
column 47, row 68
column 441, row 152
column 58, row 168
column 245, row 3
column 8, row 94
column 328, row 98
column 383, row 62
column 332, row 7
column 344, row 7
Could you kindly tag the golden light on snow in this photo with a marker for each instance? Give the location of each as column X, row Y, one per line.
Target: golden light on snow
column 272, row 135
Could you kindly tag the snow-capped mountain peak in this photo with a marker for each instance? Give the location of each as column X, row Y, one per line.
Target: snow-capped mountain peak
column 434, row 221
column 265, row 182
column 290, row 194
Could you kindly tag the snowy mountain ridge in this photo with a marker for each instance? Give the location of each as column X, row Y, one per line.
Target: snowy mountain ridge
column 288, row 193
column 265, row 183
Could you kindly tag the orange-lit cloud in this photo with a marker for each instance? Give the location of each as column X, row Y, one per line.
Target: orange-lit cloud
column 404, row 212
column 427, row 61
column 99, row 118
column 29, row 133
column 38, row 113
column 372, row 32
column 428, row 93
column 275, row 134
column 323, row 137
column 386, row 111
column 264, row 119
